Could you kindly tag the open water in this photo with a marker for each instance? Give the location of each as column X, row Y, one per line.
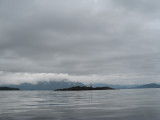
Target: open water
column 127, row 104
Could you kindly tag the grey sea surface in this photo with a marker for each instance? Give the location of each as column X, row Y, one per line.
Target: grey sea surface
column 126, row 104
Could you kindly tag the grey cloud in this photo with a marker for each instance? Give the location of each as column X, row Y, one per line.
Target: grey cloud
column 142, row 6
column 80, row 37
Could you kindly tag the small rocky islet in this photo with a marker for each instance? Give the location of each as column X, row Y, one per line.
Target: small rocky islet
column 81, row 88
column 8, row 88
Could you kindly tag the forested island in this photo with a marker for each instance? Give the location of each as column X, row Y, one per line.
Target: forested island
column 80, row 88
column 8, row 88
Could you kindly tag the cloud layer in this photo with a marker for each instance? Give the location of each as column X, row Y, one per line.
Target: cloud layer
column 34, row 78
column 81, row 38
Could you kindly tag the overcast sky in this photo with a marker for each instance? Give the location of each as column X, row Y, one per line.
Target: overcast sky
column 110, row 41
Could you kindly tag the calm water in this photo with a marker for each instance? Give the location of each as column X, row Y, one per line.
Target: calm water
column 133, row 104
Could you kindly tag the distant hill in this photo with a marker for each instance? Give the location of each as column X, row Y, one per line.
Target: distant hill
column 151, row 85
column 52, row 85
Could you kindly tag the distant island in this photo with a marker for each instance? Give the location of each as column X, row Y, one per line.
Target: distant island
column 80, row 88
column 8, row 88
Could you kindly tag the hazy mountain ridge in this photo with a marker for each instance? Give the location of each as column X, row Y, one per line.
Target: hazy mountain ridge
column 151, row 85
column 52, row 85
column 114, row 86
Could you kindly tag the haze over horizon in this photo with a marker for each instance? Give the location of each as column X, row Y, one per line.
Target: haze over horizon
column 98, row 41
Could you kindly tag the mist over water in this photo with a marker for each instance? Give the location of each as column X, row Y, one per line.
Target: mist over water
column 128, row 104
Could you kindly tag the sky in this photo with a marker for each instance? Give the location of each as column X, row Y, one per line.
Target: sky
column 98, row 41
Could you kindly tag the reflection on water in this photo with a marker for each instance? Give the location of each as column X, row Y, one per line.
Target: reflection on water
column 136, row 104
